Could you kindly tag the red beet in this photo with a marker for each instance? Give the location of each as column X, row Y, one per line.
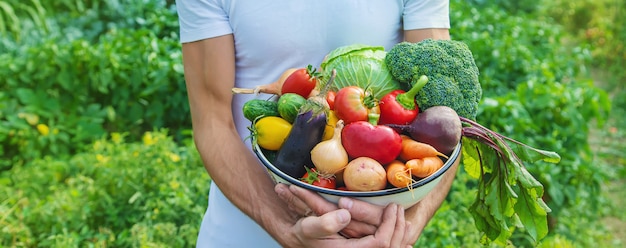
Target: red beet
column 438, row 126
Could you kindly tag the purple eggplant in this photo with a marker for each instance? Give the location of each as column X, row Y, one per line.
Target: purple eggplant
column 295, row 153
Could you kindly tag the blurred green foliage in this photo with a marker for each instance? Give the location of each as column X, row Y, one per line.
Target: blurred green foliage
column 83, row 84
column 600, row 24
column 80, row 81
column 114, row 194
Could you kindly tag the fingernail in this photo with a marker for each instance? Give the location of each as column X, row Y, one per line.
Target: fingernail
column 280, row 190
column 345, row 203
column 343, row 216
column 293, row 188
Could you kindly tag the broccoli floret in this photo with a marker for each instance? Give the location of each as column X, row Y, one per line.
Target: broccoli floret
column 451, row 70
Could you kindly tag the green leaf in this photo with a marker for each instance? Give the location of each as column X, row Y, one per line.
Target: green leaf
column 503, row 197
column 470, row 156
column 532, row 213
column 500, row 199
column 526, row 180
column 484, row 221
column 26, row 96
column 473, row 152
column 530, row 154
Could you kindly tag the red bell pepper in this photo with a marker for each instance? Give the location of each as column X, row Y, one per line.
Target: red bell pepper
column 399, row 107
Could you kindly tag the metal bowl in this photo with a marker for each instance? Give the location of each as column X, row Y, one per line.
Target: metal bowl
column 407, row 196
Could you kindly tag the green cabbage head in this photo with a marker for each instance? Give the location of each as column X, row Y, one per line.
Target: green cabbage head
column 360, row 65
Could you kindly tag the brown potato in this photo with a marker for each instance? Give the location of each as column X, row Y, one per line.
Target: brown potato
column 364, row 174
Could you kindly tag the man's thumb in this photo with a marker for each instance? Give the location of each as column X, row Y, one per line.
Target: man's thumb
column 327, row 224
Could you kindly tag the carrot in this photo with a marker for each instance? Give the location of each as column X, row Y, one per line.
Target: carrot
column 271, row 88
column 399, row 175
column 412, row 149
column 423, row 167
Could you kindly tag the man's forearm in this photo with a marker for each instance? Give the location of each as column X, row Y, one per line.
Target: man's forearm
column 244, row 181
column 209, row 74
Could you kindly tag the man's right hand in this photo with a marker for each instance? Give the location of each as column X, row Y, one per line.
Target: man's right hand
column 306, row 203
column 323, row 231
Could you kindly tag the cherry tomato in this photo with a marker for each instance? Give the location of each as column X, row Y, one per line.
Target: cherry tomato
column 330, row 99
column 302, row 81
column 316, row 179
column 353, row 104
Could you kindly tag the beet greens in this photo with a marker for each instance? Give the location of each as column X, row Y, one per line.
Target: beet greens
column 508, row 195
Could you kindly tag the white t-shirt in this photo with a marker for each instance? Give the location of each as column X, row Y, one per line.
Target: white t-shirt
column 273, row 35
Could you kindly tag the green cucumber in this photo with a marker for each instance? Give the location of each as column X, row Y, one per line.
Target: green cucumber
column 254, row 108
column 289, row 105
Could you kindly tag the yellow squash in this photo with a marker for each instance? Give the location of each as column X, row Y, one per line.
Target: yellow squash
column 270, row 132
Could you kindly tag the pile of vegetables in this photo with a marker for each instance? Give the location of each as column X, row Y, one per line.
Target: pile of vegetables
column 372, row 119
column 335, row 140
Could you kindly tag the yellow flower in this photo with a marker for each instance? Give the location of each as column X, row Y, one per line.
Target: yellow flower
column 174, row 184
column 174, row 157
column 43, row 129
column 98, row 145
column 148, row 139
column 116, row 138
column 100, row 157
column 32, row 119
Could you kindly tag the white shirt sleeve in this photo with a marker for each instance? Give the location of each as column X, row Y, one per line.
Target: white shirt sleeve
column 201, row 19
column 420, row 14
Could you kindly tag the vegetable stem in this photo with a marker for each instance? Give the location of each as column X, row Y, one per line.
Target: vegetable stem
column 244, row 91
column 372, row 118
column 407, row 99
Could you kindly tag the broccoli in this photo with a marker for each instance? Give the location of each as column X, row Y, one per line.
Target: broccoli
column 451, row 70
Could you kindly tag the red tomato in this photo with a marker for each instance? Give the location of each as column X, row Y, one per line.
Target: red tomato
column 316, row 179
column 362, row 139
column 353, row 104
column 330, row 99
column 328, row 183
column 302, row 81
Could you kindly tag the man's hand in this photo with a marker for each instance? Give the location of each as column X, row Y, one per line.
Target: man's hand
column 366, row 219
column 323, row 231
column 306, row 203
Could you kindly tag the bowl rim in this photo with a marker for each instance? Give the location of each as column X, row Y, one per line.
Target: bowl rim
column 449, row 162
